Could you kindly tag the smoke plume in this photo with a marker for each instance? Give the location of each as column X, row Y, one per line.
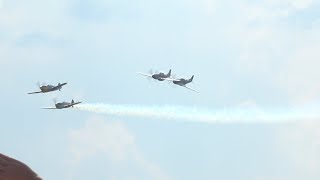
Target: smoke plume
column 236, row 115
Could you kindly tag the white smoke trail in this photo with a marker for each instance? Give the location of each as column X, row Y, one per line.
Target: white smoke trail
column 237, row 115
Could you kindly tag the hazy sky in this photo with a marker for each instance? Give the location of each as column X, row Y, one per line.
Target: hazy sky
column 256, row 54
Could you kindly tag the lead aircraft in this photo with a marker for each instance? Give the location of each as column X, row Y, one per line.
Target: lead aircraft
column 49, row 88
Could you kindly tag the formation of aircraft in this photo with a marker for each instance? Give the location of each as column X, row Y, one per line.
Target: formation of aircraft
column 49, row 88
column 63, row 105
column 158, row 76
column 161, row 77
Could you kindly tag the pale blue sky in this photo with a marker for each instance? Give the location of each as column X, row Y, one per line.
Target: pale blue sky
column 259, row 54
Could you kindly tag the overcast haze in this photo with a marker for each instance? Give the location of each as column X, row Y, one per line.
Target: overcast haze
column 256, row 54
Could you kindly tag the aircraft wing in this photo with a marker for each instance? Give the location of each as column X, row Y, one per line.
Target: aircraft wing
column 191, row 89
column 35, row 92
column 148, row 75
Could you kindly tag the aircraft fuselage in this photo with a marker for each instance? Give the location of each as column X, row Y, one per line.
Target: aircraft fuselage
column 66, row 104
column 159, row 77
column 49, row 88
column 62, row 105
column 181, row 82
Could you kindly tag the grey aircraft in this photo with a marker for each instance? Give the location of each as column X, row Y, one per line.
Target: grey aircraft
column 49, row 88
column 158, row 76
column 63, row 105
column 182, row 82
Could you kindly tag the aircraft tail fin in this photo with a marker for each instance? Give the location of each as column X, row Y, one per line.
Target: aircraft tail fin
column 191, row 79
column 169, row 73
column 72, row 102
